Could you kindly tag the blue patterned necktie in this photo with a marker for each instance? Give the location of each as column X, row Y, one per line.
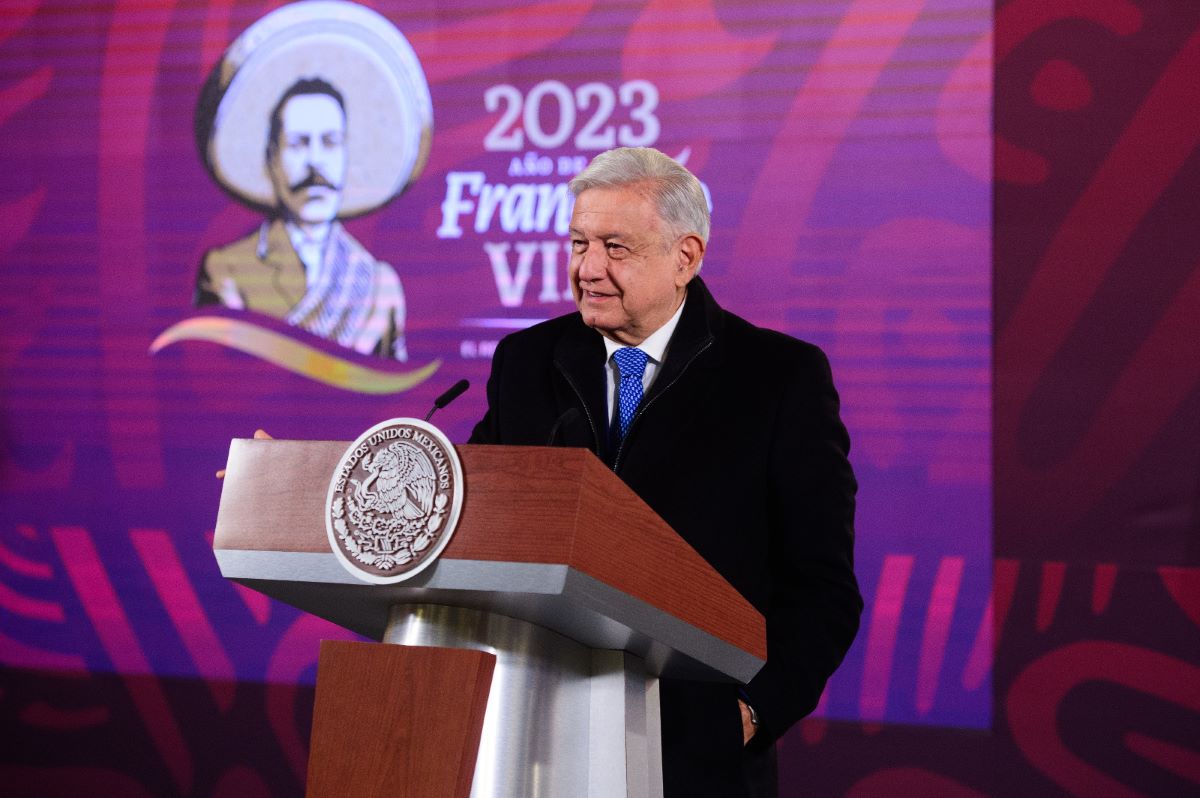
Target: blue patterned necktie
column 631, row 363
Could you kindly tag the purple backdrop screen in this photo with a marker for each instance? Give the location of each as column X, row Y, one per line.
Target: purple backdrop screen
column 845, row 147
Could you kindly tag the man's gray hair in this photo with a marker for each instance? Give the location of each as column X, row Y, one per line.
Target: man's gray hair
column 675, row 191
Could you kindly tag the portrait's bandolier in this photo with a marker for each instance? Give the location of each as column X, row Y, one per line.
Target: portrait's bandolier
column 268, row 277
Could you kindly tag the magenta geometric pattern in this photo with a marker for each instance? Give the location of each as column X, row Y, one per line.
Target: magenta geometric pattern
column 1022, row 355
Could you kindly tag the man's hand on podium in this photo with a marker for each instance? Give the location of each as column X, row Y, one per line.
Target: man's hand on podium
column 749, row 727
column 259, row 435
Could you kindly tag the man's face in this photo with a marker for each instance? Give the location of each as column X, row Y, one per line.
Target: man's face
column 308, row 162
column 628, row 273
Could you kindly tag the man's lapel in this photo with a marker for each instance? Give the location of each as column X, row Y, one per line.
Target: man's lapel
column 579, row 356
column 288, row 271
column 692, row 335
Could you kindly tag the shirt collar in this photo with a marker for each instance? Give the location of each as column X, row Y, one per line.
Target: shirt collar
column 655, row 345
column 315, row 235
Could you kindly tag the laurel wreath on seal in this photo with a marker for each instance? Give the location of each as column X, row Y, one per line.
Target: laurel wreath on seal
column 394, row 514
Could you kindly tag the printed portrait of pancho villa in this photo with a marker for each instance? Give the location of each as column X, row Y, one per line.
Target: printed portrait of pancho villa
column 319, row 112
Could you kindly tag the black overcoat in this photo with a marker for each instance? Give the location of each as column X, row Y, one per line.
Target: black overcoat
column 738, row 445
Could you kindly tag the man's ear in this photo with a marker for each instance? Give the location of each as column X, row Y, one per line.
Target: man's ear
column 689, row 253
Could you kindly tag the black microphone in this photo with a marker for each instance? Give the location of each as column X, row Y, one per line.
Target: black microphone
column 456, row 390
column 568, row 416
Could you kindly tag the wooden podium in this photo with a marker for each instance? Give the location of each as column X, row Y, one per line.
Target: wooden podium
column 525, row 661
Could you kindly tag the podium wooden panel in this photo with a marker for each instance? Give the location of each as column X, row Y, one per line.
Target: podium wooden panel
column 423, row 711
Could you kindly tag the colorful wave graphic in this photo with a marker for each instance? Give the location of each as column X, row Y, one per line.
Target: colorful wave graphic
column 290, row 354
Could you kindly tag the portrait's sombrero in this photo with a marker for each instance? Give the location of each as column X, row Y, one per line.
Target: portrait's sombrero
column 389, row 114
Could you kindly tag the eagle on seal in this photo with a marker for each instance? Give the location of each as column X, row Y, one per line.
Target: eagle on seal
column 403, row 479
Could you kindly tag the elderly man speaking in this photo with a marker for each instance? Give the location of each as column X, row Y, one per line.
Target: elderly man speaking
column 728, row 431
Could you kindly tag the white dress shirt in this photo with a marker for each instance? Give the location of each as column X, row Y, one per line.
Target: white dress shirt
column 310, row 246
column 655, row 347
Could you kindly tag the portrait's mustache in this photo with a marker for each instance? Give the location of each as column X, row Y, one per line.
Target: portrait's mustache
column 313, row 179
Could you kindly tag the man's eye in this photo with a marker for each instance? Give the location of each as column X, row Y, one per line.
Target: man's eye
column 579, row 246
column 615, row 250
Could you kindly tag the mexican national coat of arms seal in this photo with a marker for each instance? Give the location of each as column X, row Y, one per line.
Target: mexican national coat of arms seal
column 394, row 500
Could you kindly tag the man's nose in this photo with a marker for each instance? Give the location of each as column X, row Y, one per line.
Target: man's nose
column 592, row 264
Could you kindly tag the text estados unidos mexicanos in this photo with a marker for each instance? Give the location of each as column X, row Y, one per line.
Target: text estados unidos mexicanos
column 428, row 444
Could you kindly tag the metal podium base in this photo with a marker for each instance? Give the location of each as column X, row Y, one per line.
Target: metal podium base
column 562, row 719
